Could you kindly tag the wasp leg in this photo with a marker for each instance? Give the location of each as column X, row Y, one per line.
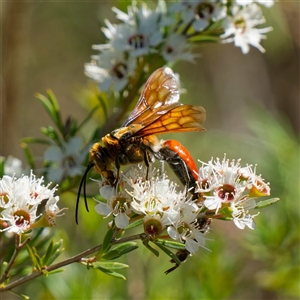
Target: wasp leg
column 118, row 166
column 182, row 255
column 148, row 159
column 180, row 168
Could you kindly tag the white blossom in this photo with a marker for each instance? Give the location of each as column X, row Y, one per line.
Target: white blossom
column 186, row 230
column 13, row 166
column 20, row 199
column 241, row 28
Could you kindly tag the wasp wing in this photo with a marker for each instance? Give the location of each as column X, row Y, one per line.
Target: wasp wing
column 182, row 118
column 160, row 94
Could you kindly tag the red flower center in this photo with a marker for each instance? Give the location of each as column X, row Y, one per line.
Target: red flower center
column 119, row 70
column 137, row 41
column 226, row 192
column 22, row 218
column 153, row 227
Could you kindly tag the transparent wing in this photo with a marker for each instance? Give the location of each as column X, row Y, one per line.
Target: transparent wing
column 159, row 95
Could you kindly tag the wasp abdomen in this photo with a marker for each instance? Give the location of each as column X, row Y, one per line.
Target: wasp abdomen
column 180, row 161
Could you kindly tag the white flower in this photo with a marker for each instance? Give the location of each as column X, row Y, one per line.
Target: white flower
column 140, row 33
column 52, row 211
column 30, row 186
column 13, row 166
column 186, row 230
column 36, row 189
column 20, row 199
column 112, row 69
column 119, row 206
column 201, row 13
column 241, row 30
column 156, row 196
column 65, row 160
column 206, row 12
column 137, row 36
column 231, row 190
column 20, row 216
column 222, row 182
column 255, row 184
column 7, row 191
column 266, row 3
column 176, row 47
column 240, row 213
column 207, row 179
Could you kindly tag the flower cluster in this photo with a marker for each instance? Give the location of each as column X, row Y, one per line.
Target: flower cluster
column 225, row 190
column 158, row 202
column 167, row 33
column 20, row 199
column 230, row 190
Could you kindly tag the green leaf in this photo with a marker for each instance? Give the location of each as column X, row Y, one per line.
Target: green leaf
column 135, row 224
column 57, row 250
column 73, row 128
column 31, row 140
column 170, row 244
column 48, row 253
column 169, row 253
column 51, row 106
column 154, row 251
column 29, row 155
column 57, row 245
column 114, row 274
column 204, row 38
column 56, row 111
column 52, row 252
column 120, row 250
column 265, row 203
column 103, row 105
column 56, row 271
column 111, row 273
column 109, row 265
column 54, row 256
column 107, row 241
column 2, row 163
column 34, row 257
column 22, row 296
column 51, row 133
column 216, row 26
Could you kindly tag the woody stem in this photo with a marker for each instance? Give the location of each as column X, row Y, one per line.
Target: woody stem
column 77, row 258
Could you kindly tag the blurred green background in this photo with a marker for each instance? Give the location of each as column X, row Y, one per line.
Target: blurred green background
column 252, row 104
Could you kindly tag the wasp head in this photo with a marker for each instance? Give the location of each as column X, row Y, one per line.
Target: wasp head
column 98, row 157
column 102, row 162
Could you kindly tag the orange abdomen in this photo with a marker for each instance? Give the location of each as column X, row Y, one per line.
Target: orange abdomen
column 184, row 154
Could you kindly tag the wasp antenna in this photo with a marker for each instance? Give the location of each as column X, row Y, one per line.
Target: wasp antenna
column 84, row 187
column 82, row 183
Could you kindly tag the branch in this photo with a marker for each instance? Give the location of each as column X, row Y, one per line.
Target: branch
column 18, row 247
column 77, row 258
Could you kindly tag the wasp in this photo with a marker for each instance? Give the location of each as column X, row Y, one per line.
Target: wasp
column 157, row 111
